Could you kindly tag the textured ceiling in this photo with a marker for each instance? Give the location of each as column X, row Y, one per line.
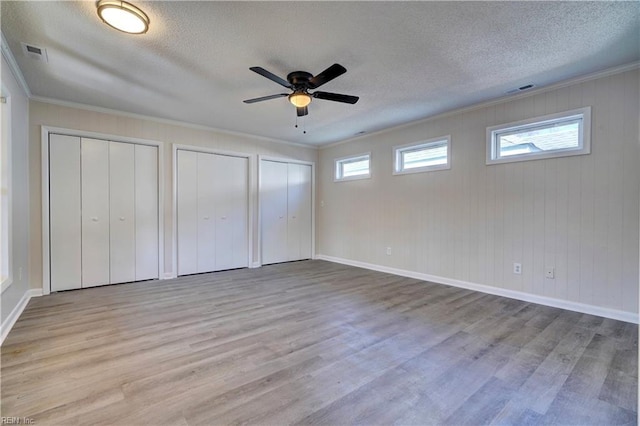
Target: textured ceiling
column 406, row 60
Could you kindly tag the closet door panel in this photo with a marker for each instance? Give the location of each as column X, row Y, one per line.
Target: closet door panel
column 231, row 195
column 299, row 211
column 206, row 251
column 65, row 228
column 273, row 211
column 294, row 195
column 95, row 212
column 239, row 173
column 122, row 235
column 303, row 213
column 187, row 212
column 146, row 212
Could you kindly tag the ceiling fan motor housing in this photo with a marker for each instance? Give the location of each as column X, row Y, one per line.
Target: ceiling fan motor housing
column 299, row 79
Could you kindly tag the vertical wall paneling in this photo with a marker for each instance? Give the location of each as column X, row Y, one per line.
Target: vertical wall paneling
column 146, row 212
column 64, row 204
column 95, row 212
column 187, row 212
column 578, row 215
column 122, row 234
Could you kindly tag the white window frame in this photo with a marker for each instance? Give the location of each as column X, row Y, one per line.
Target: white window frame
column 584, row 143
column 398, row 166
column 6, row 264
column 339, row 162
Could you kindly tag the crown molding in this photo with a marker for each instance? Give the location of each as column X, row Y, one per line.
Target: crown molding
column 178, row 123
column 507, row 98
column 13, row 65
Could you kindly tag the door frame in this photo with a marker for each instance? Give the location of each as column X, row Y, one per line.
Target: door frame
column 313, row 200
column 251, row 166
column 45, row 132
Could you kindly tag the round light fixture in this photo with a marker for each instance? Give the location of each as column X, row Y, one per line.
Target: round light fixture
column 300, row 99
column 123, row 16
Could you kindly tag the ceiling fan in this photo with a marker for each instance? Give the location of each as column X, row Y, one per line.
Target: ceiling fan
column 300, row 82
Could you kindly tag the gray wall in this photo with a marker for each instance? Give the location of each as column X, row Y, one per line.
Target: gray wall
column 578, row 214
column 20, row 192
column 120, row 125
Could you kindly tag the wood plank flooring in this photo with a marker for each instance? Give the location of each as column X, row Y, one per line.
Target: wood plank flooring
column 313, row 343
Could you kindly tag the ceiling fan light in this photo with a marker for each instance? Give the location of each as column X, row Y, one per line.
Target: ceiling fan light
column 300, row 100
column 123, row 16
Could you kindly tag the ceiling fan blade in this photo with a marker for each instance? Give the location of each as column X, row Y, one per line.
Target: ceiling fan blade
column 337, row 97
column 327, row 75
column 271, row 76
column 264, row 98
column 302, row 111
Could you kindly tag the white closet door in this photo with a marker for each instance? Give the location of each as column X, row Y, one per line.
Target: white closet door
column 65, row 229
column 122, row 235
column 273, row 211
column 206, row 213
column 231, row 195
column 187, row 193
column 146, row 210
column 299, row 211
column 95, row 212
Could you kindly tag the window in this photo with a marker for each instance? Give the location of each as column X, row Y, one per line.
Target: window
column 5, row 193
column 350, row 168
column 432, row 154
column 556, row 135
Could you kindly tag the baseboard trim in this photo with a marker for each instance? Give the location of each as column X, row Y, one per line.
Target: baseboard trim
column 512, row 294
column 8, row 324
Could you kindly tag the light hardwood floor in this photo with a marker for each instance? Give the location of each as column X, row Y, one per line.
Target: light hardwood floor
column 313, row 343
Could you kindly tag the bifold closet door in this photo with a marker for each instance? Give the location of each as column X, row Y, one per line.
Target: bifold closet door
column 273, row 210
column 230, row 187
column 95, row 212
column 122, row 233
column 187, row 211
column 299, row 211
column 212, row 197
column 206, row 241
column 146, row 212
column 65, row 222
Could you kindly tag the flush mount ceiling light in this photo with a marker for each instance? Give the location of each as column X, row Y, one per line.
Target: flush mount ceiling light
column 300, row 99
column 123, row 16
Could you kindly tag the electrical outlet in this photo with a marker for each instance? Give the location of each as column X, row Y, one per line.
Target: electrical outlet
column 388, row 251
column 517, row 268
column 550, row 273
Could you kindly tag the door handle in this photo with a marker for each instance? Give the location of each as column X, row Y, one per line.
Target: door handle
column 95, row 219
column 122, row 218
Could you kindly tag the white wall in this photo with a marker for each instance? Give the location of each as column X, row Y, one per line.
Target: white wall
column 20, row 195
column 471, row 223
column 120, row 125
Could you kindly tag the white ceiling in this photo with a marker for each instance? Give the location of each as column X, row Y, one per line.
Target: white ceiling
column 406, row 60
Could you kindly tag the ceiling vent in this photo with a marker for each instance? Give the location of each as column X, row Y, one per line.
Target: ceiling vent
column 34, row 52
column 521, row 89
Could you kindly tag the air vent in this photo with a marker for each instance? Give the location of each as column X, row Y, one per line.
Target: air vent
column 521, row 88
column 34, row 52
